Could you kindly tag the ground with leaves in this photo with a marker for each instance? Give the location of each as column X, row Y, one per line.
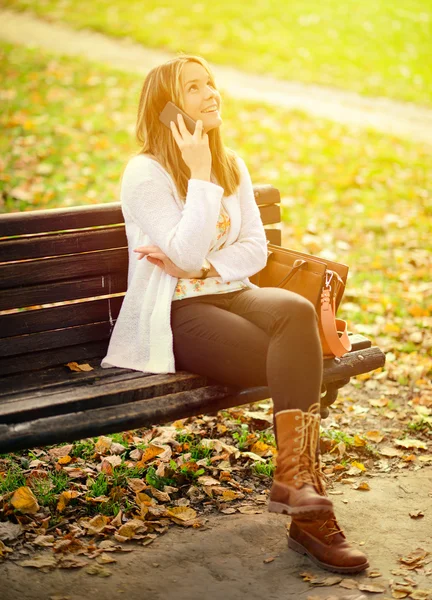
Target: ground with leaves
column 69, row 512
column 72, row 506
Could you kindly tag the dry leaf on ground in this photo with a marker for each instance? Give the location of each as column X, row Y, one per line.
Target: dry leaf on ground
column 25, row 501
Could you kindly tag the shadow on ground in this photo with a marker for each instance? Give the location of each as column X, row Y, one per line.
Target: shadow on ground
column 225, row 560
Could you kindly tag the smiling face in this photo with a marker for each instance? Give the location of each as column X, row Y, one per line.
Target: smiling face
column 199, row 96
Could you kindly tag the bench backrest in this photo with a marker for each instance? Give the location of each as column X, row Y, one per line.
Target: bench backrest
column 76, row 255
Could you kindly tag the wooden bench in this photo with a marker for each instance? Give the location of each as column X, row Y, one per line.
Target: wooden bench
column 79, row 255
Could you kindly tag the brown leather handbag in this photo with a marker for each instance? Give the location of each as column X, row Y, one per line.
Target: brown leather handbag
column 319, row 280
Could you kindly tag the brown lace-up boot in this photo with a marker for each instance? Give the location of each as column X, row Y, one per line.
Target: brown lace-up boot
column 294, row 490
column 325, row 543
column 323, row 539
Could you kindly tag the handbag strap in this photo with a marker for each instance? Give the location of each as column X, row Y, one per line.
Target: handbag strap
column 298, row 264
column 335, row 331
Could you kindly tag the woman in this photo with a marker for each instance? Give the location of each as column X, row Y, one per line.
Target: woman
column 189, row 210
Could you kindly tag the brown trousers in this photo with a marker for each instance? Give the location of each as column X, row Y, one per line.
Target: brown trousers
column 253, row 337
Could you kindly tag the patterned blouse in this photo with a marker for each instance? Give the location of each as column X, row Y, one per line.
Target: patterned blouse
column 210, row 285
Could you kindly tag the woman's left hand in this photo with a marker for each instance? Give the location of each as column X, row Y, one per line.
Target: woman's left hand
column 155, row 256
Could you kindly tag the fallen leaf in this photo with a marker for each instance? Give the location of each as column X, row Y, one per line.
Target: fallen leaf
column 206, row 480
column 96, row 525
column 105, row 558
column 416, row 514
column 367, row 587
column 359, row 441
column 161, row 496
column 73, row 366
column 422, row 594
column 391, row 452
column 229, row 495
column 25, row 501
column 42, row 561
column 363, row 486
column 65, row 498
column 44, row 540
column 325, row 581
column 249, row 510
column 349, row 584
column 374, row 574
column 103, row 444
column 374, row 436
column 150, row 453
column 98, row 570
column 59, row 451
column 425, row 458
column 260, row 448
column 409, row 458
column 254, row 456
column 131, row 528
column 182, row 513
column 4, row 549
column 414, row 558
column 411, row 443
column 10, row 531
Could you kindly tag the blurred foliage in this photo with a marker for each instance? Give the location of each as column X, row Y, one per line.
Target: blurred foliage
column 351, row 194
column 375, row 48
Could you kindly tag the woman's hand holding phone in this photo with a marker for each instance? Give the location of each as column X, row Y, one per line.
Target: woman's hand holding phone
column 195, row 149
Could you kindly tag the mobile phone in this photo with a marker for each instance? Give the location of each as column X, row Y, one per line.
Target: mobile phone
column 170, row 113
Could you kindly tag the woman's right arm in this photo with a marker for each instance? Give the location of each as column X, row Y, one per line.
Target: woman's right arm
column 183, row 235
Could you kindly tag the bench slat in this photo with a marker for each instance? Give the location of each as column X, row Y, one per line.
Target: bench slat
column 55, row 356
column 39, row 382
column 38, row 246
column 63, row 243
column 59, row 377
column 93, row 394
column 64, row 316
column 112, row 419
column 274, row 236
column 60, row 291
column 78, row 217
column 99, row 392
column 65, row 267
column 144, row 413
column 48, row 340
column 97, row 284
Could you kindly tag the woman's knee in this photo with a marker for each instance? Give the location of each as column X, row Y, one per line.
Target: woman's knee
column 291, row 305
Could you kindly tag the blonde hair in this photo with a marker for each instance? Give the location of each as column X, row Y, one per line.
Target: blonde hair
column 162, row 84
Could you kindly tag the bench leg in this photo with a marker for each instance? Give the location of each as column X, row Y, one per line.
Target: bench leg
column 329, row 393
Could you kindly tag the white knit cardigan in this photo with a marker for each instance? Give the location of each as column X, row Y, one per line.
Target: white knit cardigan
column 154, row 215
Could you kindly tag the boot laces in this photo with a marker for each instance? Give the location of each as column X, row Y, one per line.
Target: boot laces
column 333, row 530
column 319, row 477
column 306, row 451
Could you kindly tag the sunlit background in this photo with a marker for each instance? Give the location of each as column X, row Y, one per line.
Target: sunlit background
column 351, row 193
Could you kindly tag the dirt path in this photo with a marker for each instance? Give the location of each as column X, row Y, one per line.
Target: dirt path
column 226, row 559
column 404, row 119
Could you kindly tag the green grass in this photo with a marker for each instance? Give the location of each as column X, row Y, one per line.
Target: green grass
column 241, row 437
column 375, row 48
column 355, row 195
column 14, row 477
column 267, row 436
column 339, row 436
column 423, row 425
column 263, row 469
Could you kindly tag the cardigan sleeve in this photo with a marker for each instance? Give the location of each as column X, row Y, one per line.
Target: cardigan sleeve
column 248, row 254
column 185, row 236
